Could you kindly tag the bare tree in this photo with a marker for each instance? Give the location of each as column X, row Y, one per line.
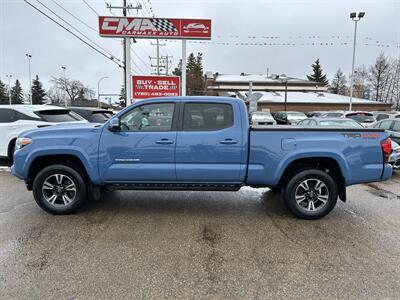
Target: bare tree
column 360, row 81
column 72, row 88
column 338, row 85
column 390, row 91
column 378, row 77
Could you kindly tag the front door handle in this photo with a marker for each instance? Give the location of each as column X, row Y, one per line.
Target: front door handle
column 228, row 142
column 165, row 142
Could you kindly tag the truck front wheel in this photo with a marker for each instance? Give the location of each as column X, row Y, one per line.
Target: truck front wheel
column 310, row 194
column 59, row 189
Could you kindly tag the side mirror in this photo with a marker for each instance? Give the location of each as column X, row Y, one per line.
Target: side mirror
column 114, row 124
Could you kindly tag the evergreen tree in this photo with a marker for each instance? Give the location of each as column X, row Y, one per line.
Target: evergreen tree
column 122, row 97
column 317, row 75
column 338, row 85
column 194, row 75
column 178, row 70
column 38, row 93
column 3, row 94
column 16, row 93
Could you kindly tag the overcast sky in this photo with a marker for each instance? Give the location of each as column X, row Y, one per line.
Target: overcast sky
column 24, row 30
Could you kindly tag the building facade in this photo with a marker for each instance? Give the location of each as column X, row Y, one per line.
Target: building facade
column 275, row 92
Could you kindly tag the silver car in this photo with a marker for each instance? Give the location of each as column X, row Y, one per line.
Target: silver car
column 262, row 118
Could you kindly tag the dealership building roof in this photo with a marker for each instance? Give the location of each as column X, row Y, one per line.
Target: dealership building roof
column 302, row 94
column 299, row 97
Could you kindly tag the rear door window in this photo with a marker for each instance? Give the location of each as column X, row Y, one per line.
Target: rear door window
column 207, row 116
column 396, row 126
column 58, row 115
column 7, row 115
column 385, row 124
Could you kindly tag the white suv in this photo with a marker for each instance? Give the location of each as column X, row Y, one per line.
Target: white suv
column 15, row 119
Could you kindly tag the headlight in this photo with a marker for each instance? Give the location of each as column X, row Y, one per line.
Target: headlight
column 22, row 142
column 396, row 150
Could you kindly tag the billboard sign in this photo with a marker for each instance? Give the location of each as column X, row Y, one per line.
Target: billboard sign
column 155, row 28
column 155, row 86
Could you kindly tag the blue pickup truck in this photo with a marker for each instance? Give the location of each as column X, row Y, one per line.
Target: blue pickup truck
column 198, row 143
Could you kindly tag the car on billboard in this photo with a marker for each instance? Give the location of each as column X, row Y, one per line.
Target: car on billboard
column 196, row 27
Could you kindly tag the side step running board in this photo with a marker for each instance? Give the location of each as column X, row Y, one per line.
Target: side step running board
column 175, row 186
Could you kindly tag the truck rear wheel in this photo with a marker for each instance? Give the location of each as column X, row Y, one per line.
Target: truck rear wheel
column 310, row 194
column 59, row 189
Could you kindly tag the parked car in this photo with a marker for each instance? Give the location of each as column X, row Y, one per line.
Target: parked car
column 92, row 114
column 207, row 144
column 330, row 122
column 380, row 115
column 394, row 158
column 15, row 119
column 289, row 117
column 392, row 126
column 262, row 118
column 363, row 117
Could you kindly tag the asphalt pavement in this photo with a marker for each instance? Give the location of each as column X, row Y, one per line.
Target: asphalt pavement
column 200, row 245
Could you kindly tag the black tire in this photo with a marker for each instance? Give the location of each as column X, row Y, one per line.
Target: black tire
column 294, row 189
column 69, row 175
column 12, row 150
column 276, row 190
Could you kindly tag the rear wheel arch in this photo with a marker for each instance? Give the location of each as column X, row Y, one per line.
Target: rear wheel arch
column 323, row 163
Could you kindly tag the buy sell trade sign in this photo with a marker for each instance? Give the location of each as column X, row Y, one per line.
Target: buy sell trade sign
column 155, row 86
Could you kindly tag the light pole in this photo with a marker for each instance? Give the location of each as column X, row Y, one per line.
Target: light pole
column 98, row 91
column 285, row 80
column 29, row 56
column 65, row 86
column 9, row 87
column 355, row 18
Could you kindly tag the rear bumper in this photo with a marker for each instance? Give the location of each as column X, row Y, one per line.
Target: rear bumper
column 387, row 172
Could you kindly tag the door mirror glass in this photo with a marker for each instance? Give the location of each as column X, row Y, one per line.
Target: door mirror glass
column 114, row 125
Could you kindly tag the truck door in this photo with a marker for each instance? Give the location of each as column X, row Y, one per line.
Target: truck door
column 209, row 147
column 144, row 147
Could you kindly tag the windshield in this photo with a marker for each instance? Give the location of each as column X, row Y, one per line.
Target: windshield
column 362, row 117
column 333, row 114
column 340, row 123
column 58, row 115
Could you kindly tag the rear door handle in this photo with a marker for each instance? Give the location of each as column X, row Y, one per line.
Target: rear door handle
column 165, row 142
column 228, row 142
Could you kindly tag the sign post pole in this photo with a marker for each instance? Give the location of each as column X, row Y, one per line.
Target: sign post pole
column 128, row 97
column 183, row 93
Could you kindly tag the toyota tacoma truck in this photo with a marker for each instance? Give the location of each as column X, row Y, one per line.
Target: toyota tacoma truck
column 198, row 143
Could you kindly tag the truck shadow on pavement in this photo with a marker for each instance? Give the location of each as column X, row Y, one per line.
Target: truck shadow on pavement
column 248, row 202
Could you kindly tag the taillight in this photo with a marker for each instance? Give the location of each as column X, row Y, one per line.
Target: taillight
column 386, row 146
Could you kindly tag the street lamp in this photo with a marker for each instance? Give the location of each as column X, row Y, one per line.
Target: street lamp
column 9, row 87
column 98, row 91
column 284, row 79
column 65, row 86
column 29, row 56
column 355, row 18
